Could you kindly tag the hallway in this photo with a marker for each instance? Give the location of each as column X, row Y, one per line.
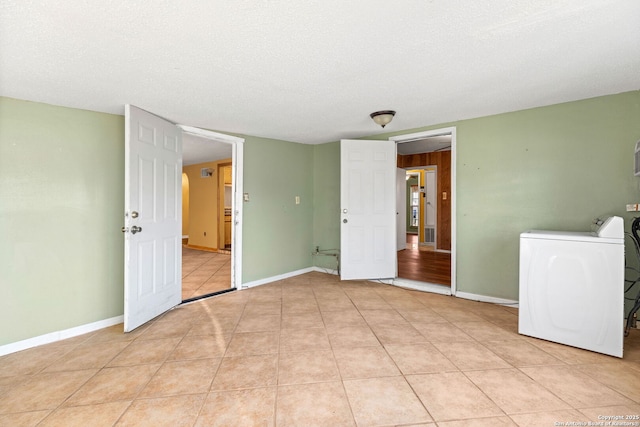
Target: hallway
column 423, row 264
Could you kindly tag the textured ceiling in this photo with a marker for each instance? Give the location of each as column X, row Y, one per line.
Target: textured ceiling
column 312, row 71
column 425, row 145
column 198, row 150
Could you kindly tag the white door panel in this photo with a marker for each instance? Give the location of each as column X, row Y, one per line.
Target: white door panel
column 153, row 181
column 431, row 203
column 430, row 208
column 401, row 209
column 368, row 209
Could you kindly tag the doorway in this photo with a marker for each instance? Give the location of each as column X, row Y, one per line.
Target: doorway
column 428, row 262
column 206, row 217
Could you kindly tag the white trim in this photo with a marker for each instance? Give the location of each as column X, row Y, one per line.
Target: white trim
column 422, row 286
column 276, row 278
column 210, row 134
column 59, row 335
column 454, row 221
column 485, row 298
column 453, row 195
column 408, row 137
column 237, row 210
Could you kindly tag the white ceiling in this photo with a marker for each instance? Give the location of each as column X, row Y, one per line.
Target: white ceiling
column 425, row 145
column 199, row 150
column 312, row 71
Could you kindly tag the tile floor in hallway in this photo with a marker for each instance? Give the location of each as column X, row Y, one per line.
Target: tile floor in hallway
column 314, row 351
column 204, row 272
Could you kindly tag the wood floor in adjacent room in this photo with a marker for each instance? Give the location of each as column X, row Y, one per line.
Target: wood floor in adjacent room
column 423, row 264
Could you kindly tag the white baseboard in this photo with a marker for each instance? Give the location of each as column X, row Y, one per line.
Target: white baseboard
column 59, row 335
column 446, row 290
column 484, row 298
column 276, row 278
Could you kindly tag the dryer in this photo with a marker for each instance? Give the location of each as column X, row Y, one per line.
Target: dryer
column 572, row 286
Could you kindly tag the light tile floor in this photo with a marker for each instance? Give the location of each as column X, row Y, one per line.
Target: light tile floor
column 314, row 351
column 204, row 272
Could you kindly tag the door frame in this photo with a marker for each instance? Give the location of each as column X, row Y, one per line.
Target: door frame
column 237, row 188
column 399, row 139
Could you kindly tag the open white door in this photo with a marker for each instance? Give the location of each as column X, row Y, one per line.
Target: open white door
column 153, row 217
column 431, row 204
column 368, row 209
column 401, row 209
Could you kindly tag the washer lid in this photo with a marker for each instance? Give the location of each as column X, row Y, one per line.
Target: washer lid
column 573, row 236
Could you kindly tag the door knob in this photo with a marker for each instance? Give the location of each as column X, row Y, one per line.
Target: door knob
column 135, row 229
column 345, row 220
column 134, row 214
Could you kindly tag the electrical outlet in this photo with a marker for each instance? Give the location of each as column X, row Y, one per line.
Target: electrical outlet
column 297, row 200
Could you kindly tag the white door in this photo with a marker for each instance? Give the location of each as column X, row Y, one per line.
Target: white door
column 430, row 207
column 153, row 217
column 401, row 209
column 367, row 209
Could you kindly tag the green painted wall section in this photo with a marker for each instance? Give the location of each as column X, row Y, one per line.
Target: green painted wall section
column 277, row 232
column 61, row 205
column 554, row 167
column 326, row 202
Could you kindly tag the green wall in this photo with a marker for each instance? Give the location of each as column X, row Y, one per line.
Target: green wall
column 554, row 167
column 61, row 205
column 326, row 201
column 277, row 232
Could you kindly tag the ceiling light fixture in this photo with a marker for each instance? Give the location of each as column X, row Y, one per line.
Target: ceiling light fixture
column 383, row 117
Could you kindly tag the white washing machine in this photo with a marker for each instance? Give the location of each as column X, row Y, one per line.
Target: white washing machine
column 572, row 286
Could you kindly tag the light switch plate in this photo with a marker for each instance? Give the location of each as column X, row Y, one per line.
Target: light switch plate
column 245, row 197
